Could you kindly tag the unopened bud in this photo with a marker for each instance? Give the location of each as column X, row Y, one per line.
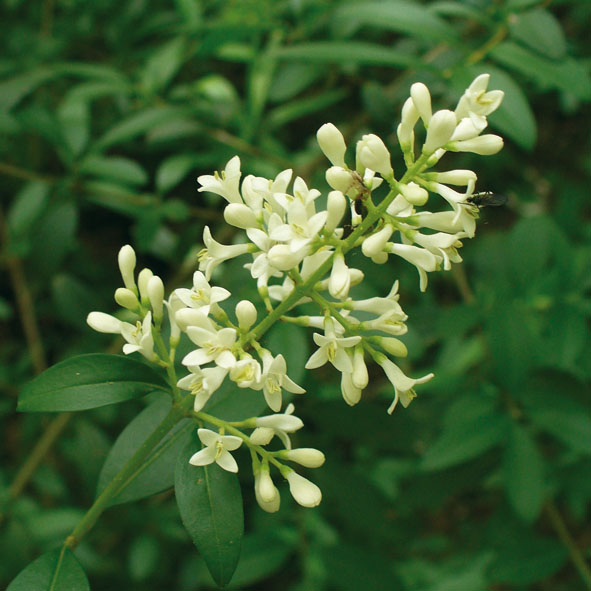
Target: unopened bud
column 441, row 128
column 306, row 493
column 127, row 260
column 421, row 99
column 266, row 493
column 155, row 291
column 332, row 143
column 484, row 145
column 455, row 177
column 393, row 346
column 240, row 216
column 102, row 322
column 142, row 282
column 414, row 194
column 305, row 456
column 374, row 244
column 246, row 313
column 339, row 179
column 373, row 154
column 126, row 298
column 335, row 207
column 359, row 377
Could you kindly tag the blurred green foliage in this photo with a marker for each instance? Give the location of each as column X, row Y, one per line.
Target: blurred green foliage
column 110, row 110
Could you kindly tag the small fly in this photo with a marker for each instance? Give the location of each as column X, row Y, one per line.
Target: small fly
column 487, row 199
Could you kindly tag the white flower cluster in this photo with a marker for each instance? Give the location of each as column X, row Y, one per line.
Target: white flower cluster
column 299, row 255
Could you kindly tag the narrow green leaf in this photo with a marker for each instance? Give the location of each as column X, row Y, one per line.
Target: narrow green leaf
column 568, row 75
column 297, row 109
column 57, row 570
column 349, row 52
column 524, row 474
column 74, row 118
column 27, row 206
column 162, row 65
column 402, row 17
column 175, row 168
column 116, row 168
column 137, row 124
column 157, row 471
column 210, row 504
column 89, row 381
column 573, row 429
column 540, row 30
column 463, row 442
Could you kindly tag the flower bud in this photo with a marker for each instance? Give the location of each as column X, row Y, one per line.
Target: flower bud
column 332, row 143
column 335, row 207
column 283, row 258
column 262, row 436
column 455, row 177
column 339, row 179
column 240, row 216
column 305, row 456
column 351, row 394
column 468, row 128
column 359, row 377
column 484, row 145
column 393, row 346
column 186, row 317
column 441, row 128
column 410, row 114
column 373, row 154
column 414, row 194
column 266, row 493
column 280, row 422
column 306, row 493
column 374, row 245
column 127, row 260
column 142, row 282
column 155, row 291
column 126, row 298
column 421, row 99
column 246, row 314
column 339, row 281
column 102, row 322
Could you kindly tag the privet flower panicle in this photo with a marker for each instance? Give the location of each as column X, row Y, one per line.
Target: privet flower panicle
column 298, row 252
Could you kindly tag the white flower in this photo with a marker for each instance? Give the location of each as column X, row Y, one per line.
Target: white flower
column 351, row 393
column 202, row 383
column 218, row 448
column 373, row 154
column 274, row 378
column 139, row 337
column 214, row 345
column 215, row 253
column 276, row 425
column 374, row 244
column 202, row 295
column 332, row 143
column 306, row 493
column 173, row 305
column 225, row 184
column 403, row 385
column 126, row 259
column 378, row 305
column 476, row 102
column 301, row 228
column 246, row 373
column 442, row 244
column 332, row 348
column 390, row 322
column 424, row 260
column 448, row 221
column 468, row 128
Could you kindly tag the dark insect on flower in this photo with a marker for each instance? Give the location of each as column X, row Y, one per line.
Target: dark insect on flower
column 487, row 199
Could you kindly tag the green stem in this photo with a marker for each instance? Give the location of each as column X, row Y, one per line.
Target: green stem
column 177, row 412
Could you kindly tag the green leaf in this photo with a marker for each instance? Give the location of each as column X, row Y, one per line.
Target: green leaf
column 116, row 168
column 210, row 504
column 27, row 206
column 137, row 124
column 157, row 471
column 74, row 118
column 73, row 298
column 462, row 442
column 540, row 30
column 163, row 65
column 346, row 52
column 89, row 381
column 57, row 570
column 523, row 474
column 402, row 17
column 573, row 429
column 14, row 90
column 175, row 168
column 568, row 75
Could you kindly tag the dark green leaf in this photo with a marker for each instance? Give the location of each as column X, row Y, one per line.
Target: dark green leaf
column 402, row 17
column 462, row 442
column 573, row 429
column 89, row 381
column 57, row 570
column 27, row 206
column 523, row 474
column 157, row 471
column 175, row 168
column 162, row 65
column 210, row 504
column 540, row 30
column 116, row 168
column 74, row 118
column 351, row 52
